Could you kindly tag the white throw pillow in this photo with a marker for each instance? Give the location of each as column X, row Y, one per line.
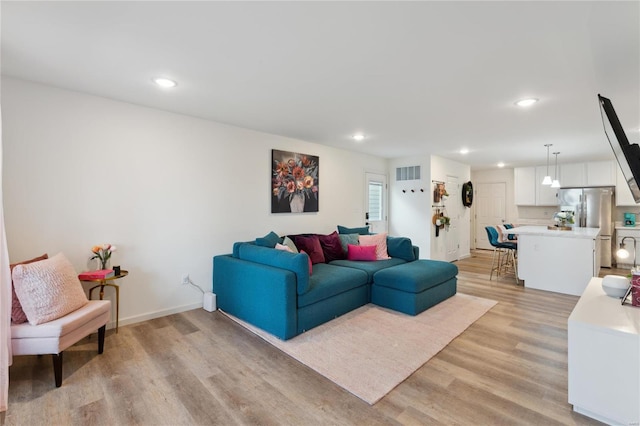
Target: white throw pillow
column 289, row 243
column 48, row 289
column 502, row 234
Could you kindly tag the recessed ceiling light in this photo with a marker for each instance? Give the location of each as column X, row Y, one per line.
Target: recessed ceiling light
column 164, row 82
column 501, row 164
column 526, row 102
column 359, row 137
column 464, row 151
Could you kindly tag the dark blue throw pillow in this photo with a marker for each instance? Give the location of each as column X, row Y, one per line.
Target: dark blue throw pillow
column 510, row 236
column 270, row 240
column 362, row 231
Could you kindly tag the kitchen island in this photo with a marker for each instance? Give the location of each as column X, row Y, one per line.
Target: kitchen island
column 555, row 260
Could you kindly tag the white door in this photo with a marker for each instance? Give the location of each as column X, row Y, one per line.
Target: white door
column 489, row 200
column 454, row 203
column 376, row 202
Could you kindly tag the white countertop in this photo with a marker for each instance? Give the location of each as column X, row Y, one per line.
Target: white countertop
column 598, row 310
column 628, row 228
column 587, row 233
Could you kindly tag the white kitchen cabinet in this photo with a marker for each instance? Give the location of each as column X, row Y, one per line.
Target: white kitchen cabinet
column 545, row 195
column 528, row 188
column 573, row 175
column 623, row 193
column 524, row 189
column 601, row 173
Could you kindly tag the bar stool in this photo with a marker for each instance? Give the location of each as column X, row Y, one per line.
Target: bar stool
column 507, row 255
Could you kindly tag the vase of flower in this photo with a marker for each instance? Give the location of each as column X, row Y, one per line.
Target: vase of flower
column 297, row 202
column 102, row 254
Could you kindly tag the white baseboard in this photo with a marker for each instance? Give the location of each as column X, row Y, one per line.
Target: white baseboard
column 152, row 315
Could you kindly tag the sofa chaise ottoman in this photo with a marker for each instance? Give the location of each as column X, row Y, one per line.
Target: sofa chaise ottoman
column 414, row 287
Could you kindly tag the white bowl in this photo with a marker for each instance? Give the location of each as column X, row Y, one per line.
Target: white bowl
column 615, row 285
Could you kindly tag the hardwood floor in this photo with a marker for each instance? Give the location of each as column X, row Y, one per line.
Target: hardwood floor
column 510, row 367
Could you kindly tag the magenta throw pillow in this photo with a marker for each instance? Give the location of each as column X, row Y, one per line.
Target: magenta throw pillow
column 361, row 252
column 331, row 247
column 311, row 245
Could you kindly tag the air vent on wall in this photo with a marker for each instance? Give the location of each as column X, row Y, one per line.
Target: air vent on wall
column 408, row 173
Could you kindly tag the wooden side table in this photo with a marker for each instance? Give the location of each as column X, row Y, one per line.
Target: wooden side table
column 104, row 282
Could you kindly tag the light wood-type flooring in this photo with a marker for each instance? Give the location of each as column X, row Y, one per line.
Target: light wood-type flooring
column 200, row 368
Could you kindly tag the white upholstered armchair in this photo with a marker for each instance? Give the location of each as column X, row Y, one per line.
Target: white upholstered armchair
column 50, row 297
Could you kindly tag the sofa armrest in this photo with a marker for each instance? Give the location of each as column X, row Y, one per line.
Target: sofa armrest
column 262, row 295
column 294, row 262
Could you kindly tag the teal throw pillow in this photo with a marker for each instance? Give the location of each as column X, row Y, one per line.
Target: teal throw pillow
column 400, row 247
column 270, row 240
column 346, row 239
column 361, row 231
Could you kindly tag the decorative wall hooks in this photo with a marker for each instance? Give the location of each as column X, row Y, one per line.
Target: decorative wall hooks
column 404, row 191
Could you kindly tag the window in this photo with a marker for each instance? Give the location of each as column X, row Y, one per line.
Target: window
column 375, row 200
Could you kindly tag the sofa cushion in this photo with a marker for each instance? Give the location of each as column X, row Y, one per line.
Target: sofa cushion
column 378, row 240
column 364, row 253
column 400, row 247
column 311, row 245
column 296, row 263
column 328, row 281
column 269, row 240
column 416, row 276
column 364, row 230
column 369, row 267
column 308, row 261
column 331, row 247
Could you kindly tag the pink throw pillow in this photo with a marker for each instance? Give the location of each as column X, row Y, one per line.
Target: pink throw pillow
column 283, row 247
column 378, row 240
column 361, row 252
column 48, row 289
column 17, row 314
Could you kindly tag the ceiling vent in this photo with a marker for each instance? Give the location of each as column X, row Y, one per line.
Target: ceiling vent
column 408, row 173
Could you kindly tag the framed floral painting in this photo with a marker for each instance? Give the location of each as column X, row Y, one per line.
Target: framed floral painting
column 294, row 182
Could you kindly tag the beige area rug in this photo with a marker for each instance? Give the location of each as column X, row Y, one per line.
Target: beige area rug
column 371, row 350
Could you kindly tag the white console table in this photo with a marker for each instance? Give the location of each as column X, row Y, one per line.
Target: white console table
column 604, row 357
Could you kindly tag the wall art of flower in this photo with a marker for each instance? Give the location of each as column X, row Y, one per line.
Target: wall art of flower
column 294, row 182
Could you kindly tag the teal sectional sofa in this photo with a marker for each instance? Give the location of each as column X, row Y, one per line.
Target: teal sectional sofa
column 274, row 290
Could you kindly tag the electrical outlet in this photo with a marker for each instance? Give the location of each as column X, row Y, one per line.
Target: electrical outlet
column 185, row 278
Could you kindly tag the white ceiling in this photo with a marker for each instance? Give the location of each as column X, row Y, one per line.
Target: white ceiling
column 417, row 78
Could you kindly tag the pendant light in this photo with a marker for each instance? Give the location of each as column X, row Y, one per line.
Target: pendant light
column 547, row 178
column 556, row 182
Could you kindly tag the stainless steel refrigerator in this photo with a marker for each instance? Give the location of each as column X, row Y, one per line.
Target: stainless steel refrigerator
column 593, row 208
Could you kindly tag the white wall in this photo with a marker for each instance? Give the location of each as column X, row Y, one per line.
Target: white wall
column 408, row 210
column 411, row 212
column 170, row 191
